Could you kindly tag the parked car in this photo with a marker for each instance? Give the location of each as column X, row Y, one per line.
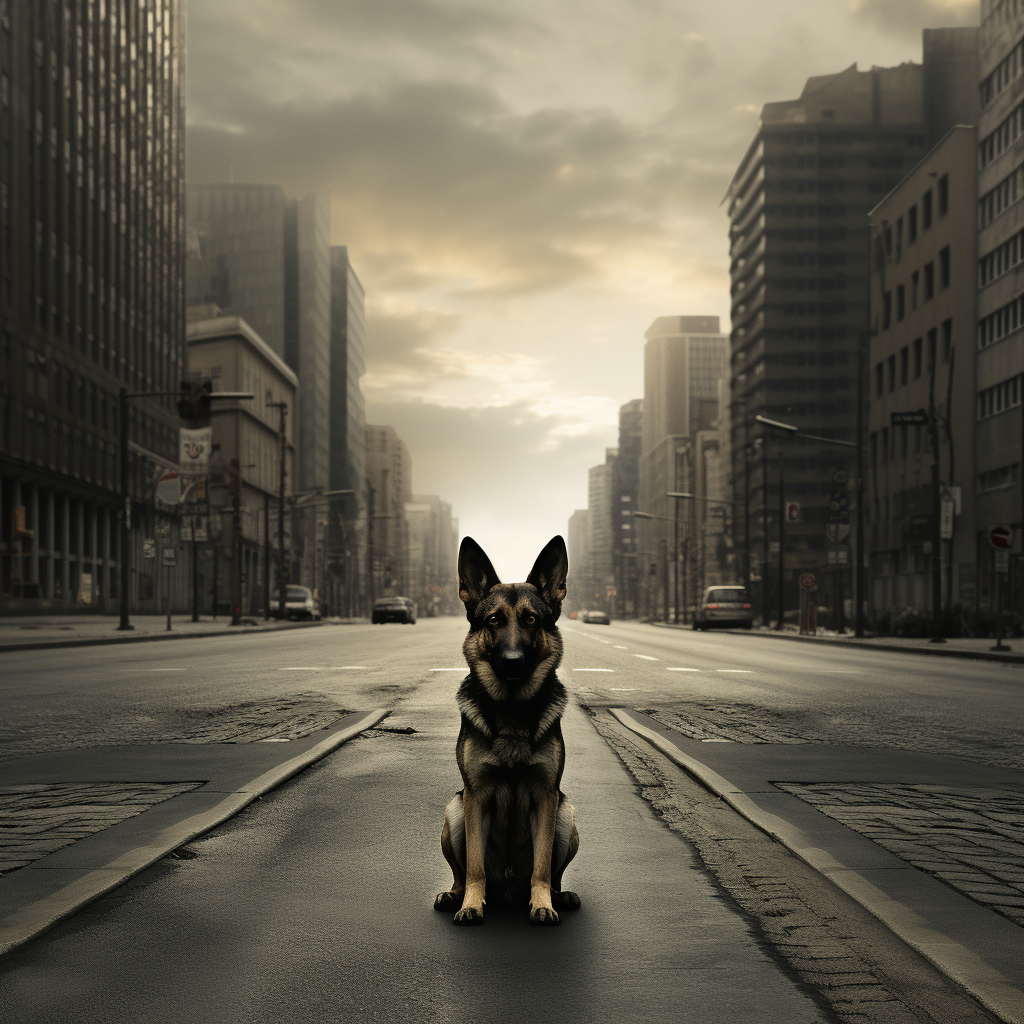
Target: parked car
column 724, row 606
column 394, row 609
column 598, row 617
column 299, row 603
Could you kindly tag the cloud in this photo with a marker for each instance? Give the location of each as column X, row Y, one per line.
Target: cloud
column 510, row 490
column 911, row 16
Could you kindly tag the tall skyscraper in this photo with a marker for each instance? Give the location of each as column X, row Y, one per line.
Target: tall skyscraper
column 389, row 482
column 91, row 288
column 798, row 207
column 625, row 499
column 999, row 459
column 347, row 530
column 685, row 358
column 266, row 258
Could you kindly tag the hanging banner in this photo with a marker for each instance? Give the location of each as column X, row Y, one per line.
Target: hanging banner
column 194, row 451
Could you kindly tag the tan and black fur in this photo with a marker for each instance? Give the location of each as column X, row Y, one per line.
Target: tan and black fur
column 510, row 831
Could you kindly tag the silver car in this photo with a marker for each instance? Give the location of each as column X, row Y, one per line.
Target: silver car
column 724, row 606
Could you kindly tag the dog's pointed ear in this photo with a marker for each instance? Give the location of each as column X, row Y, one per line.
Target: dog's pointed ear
column 549, row 573
column 476, row 575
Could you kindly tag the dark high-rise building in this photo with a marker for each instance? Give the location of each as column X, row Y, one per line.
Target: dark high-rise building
column 91, row 284
column 347, row 533
column 625, row 495
column 798, row 207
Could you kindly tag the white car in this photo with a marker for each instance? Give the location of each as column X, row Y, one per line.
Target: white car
column 299, row 603
column 724, row 606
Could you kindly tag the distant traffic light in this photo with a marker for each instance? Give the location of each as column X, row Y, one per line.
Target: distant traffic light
column 194, row 404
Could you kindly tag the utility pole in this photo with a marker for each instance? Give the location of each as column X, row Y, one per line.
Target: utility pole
column 124, row 556
column 266, row 555
column 235, row 480
column 282, row 587
column 370, row 589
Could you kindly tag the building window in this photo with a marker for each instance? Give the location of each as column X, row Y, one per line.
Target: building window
column 915, row 279
column 879, row 380
column 918, row 348
column 929, row 281
column 932, row 338
column 901, row 302
column 886, row 310
column 926, row 210
column 891, row 366
column 1000, row 398
column 998, row 479
column 904, row 365
column 912, row 225
column 943, row 189
column 944, row 267
column 947, row 340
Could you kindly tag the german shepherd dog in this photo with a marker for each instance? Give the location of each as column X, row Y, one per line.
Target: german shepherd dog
column 510, row 831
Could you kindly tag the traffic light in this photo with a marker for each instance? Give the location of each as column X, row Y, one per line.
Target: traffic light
column 792, row 511
column 194, row 404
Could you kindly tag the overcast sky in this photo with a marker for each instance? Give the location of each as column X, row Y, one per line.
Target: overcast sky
column 523, row 186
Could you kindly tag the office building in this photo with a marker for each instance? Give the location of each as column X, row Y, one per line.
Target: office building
column 999, row 433
column 433, row 556
column 625, row 498
column 798, row 207
column 922, row 361
column 227, row 351
column 389, row 490
column 578, row 549
column 685, row 359
column 91, row 289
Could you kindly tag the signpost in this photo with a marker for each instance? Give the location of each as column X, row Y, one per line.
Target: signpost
column 919, row 418
column 1000, row 537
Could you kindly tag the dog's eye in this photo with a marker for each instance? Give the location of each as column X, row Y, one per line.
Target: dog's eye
column 494, row 620
column 529, row 620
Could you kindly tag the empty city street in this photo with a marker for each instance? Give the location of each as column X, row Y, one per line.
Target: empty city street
column 317, row 899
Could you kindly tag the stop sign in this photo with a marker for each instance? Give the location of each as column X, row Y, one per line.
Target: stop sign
column 1001, row 537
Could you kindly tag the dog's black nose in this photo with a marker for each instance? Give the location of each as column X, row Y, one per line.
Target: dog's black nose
column 513, row 662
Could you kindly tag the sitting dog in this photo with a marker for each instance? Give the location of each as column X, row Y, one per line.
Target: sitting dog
column 510, row 830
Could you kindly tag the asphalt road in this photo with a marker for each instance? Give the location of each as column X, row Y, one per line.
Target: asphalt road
column 317, row 902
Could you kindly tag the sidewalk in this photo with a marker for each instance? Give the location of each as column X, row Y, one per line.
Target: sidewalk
column 975, row 648
column 70, row 835
column 27, row 633
column 932, row 846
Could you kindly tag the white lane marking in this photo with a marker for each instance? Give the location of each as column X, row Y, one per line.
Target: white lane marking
column 747, row 671
column 619, row 647
column 683, row 670
column 646, row 657
column 600, row 641
column 593, row 670
column 448, row 670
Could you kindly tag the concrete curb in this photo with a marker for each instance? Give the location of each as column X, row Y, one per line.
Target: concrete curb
column 31, row 921
column 129, row 638
column 952, row 958
column 861, row 645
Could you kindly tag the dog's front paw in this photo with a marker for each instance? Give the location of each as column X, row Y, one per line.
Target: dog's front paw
column 543, row 915
column 470, row 915
column 448, row 901
column 565, row 900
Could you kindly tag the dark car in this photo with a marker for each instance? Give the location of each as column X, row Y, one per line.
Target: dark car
column 598, row 617
column 724, row 606
column 394, row 609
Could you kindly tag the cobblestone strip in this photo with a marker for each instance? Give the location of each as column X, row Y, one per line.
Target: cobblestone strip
column 972, row 838
column 39, row 819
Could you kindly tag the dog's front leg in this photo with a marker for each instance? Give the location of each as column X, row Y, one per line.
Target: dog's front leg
column 472, row 911
column 543, row 822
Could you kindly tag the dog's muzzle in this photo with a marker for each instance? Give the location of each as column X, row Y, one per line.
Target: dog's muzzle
column 511, row 665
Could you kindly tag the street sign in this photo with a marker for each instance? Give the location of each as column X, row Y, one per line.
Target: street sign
column 908, row 419
column 170, row 556
column 163, row 526
column 808, row 581
column 838, row 532
column 1001, row 537
column 840, row 478
column 1002, row 561
column 148, row 548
